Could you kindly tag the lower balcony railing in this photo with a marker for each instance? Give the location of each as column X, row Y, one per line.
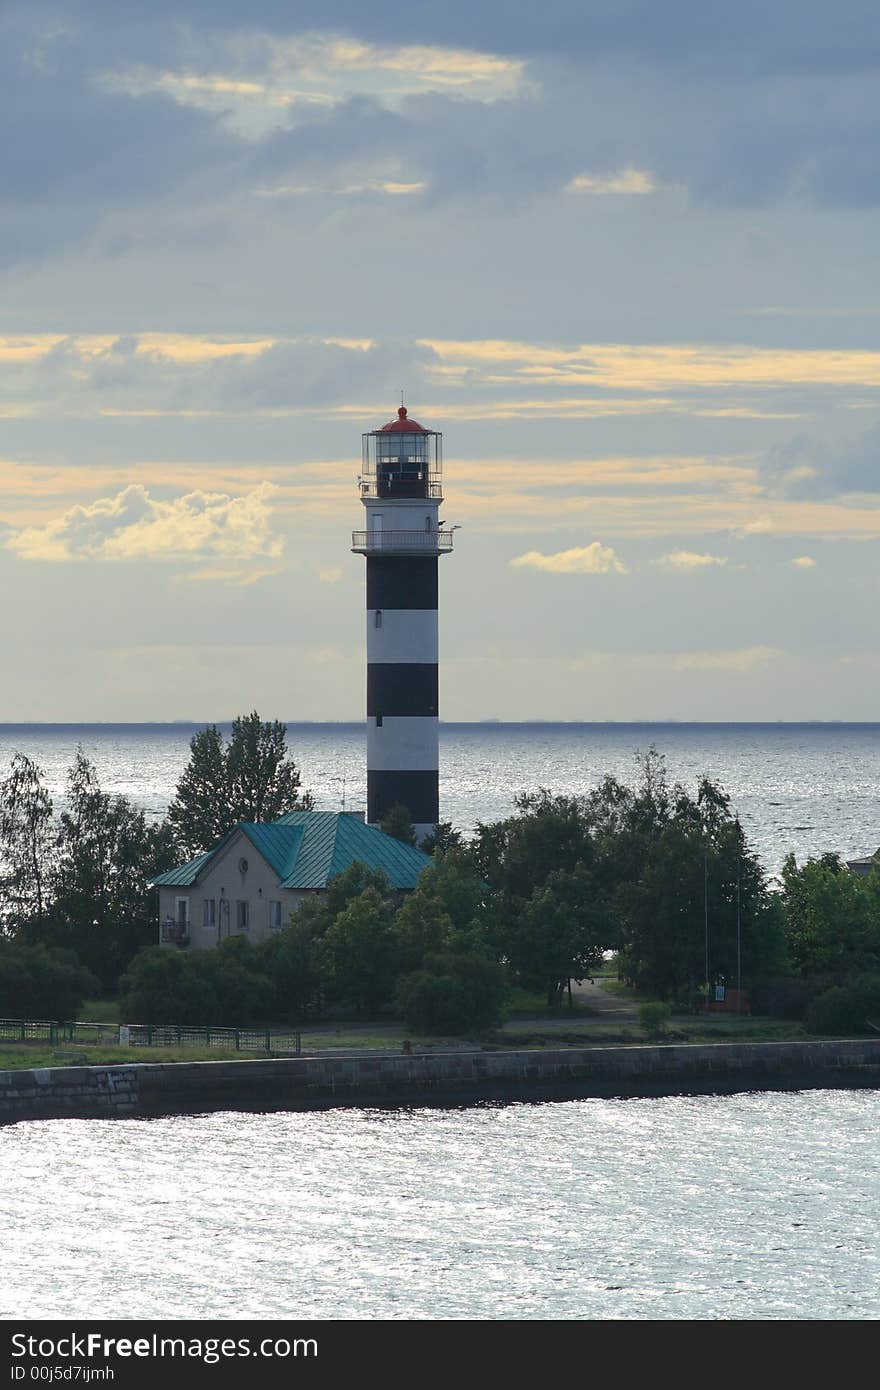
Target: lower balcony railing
column 401, row 540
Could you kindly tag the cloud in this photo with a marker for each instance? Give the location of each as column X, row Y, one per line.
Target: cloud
column 135, row 526
column 690, row 560
column 591, row 559
column 740, row 659
column 806, row 467
column 803, row 562
column 625, row 181
column 330, row 576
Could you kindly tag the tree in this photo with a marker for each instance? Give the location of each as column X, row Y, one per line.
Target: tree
column 453, row 994
column 445, row 911
column 40, row 983
column 397, row 822
column 831, row 919
column 164, row 986
column 249, row 779
column 101, row 906
column 561, row 933
column 26, row 845
column 357, row 954
column 444, row 837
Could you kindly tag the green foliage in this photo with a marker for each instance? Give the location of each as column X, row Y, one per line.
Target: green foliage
column 831, row 918
column 288, row 958
column 249, row 779
column 397, row 822
column 653, row 1017
column 26, row 844
column 444, row 838
column 168, row 986
column 453, row 994
column 357, row 955
column 443, row 913
column 561, row 933
column 847, row 1009
column 39, row 983
column 79, row 883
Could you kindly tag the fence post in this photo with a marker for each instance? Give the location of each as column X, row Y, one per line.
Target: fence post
column 268, row 1041
column 22, row 1030
column 207, row 1037
column 238, row 1040
column 299, row 1042
column 179, row 1035
column 149, row 1035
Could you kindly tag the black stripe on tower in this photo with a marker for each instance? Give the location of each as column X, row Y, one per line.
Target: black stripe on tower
column 401, row 581
column 402, row 687
column 419, row 792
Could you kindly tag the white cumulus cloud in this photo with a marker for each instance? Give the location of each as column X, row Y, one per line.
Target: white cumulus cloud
column 589, row 559
column 803, row 562
column 133, row 525
column 691, row 560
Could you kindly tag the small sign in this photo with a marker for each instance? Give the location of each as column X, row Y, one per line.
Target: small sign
column 124, row 1035
column 719, row 994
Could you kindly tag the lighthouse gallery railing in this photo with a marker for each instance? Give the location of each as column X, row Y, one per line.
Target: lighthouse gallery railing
column 401, row 540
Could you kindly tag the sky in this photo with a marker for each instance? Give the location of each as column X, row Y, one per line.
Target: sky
column 623, row 255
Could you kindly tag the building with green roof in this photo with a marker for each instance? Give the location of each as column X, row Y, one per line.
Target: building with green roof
column 253, row 878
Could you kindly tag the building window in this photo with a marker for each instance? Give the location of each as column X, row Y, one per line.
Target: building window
column 427, row 523
column 274, row 916
column 209, row 912
column 181, row 912
column 378, row 721
column 378, row 621
column 242, row 915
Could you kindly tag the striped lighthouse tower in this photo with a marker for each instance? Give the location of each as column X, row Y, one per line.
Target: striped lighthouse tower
column 401, row 490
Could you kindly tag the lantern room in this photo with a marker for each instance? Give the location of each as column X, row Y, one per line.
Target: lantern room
column 402, row 460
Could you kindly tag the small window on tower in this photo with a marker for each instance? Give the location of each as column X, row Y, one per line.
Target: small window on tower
column 378, row 617
column 427, row 523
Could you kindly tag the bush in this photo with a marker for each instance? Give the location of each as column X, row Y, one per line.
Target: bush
column 162, row 985
column 654, row 1018
column 453, row 994
column 846, row 1009
column 36, row 982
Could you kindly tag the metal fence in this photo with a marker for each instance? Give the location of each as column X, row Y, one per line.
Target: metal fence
column 148, row 1035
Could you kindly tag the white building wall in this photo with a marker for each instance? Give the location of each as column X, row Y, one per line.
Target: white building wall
column 225, row 883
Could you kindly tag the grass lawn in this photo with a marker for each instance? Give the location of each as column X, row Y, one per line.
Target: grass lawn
column 99, row 1011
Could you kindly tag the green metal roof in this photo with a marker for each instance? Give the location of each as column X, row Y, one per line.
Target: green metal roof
column 185, row 875
column 308, row 848
column 333, row 840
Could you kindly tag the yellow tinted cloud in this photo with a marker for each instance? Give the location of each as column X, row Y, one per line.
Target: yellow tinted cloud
column 626, row 181
column 591, row 559
column 135, row 526
column 691, row 560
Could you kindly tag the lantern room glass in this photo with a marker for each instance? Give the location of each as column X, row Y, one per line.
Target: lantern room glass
column 401, row 464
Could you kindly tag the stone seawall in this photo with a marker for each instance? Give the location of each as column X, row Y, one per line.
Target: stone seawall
column 147, row 1089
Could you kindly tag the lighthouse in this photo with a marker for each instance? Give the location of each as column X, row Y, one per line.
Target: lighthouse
column 401, row 490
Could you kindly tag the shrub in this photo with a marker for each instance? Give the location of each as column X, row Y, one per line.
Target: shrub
column 36, row 982
column 654, row 1018
column 163, row 985
column 849, row 1008
column 453, row 994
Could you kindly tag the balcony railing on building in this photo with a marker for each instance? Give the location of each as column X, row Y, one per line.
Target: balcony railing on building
column 175, row 933
column 401, row 542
